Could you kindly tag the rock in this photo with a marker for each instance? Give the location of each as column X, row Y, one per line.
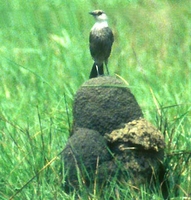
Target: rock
column 110, row 139
column 103, row 103
column 85, row 150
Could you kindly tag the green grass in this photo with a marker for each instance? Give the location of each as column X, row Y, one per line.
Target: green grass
column 44, row 58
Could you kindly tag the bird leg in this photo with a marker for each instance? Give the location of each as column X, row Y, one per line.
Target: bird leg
column 106, row 67
column 97, row 69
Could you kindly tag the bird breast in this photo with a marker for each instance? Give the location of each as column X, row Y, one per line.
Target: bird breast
column 99, row 25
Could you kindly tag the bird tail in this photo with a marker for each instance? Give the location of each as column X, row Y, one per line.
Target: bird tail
column 96, row 71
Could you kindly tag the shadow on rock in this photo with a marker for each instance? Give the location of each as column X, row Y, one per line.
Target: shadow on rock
column 84, row 151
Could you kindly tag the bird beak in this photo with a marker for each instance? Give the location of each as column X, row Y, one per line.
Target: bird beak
column 92, row 13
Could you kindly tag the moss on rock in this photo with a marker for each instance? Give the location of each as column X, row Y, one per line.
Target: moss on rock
column 139, row 147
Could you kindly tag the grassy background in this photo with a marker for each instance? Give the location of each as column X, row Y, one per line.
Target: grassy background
column 44, row 58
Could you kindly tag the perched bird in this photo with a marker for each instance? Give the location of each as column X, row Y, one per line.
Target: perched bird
column 100, row 42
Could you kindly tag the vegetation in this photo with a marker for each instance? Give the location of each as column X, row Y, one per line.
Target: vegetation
column 44, row 58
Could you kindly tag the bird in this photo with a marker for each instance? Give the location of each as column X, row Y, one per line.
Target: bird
column 101, row 39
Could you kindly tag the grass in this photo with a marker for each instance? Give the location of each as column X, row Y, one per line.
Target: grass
column 44, row 58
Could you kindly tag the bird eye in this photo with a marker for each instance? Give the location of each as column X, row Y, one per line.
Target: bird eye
column 100, row 12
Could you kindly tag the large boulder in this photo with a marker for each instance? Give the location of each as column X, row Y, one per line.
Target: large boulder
column 103, row 103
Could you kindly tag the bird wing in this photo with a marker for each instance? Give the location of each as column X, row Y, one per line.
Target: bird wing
column 100, row 43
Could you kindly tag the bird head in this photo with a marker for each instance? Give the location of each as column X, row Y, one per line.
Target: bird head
column 99, row 15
